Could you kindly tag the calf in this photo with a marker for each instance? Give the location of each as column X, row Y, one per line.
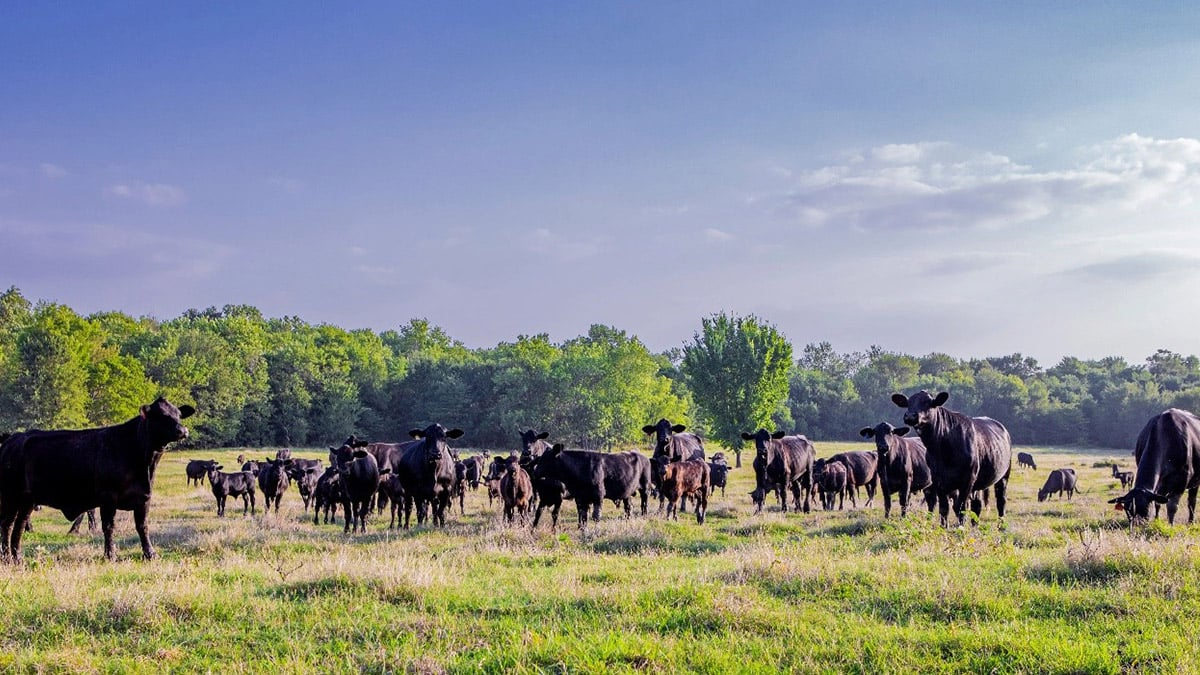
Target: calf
column 1168, row 464
column 1126, row 477
column 516, row 489
column 390, row 485
column 475, row 465
column 359, row 473
column 306, row 473
column 902, row 467
column 1026, row 459
column 197, row 470
column 862, row 470
column 550, row 493
column 225, row 485
column 687, row 478
column 1059, row 481
column 273, row 481
column 834, row 486
column 327, row 496
column 718, row 473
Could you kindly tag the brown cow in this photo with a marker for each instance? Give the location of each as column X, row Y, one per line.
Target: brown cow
column 516, row 489
column 688, row 478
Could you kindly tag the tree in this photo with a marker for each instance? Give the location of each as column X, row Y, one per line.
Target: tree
column 737, row 368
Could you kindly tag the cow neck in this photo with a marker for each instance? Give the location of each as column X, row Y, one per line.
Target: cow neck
column 941, row 424
column 147, row 450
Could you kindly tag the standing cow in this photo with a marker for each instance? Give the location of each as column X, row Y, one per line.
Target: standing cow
column 273, row 481
column 903, row 468
column 966, row 454
column 226, row 485
column 426, row 470
column 688, row 478
column 197, row 469
column 358, row 474
column 1058, row 482
column 1168, row 464
column 1024, row 459
column 788, row 463
column 592, row 477
column 110, row 467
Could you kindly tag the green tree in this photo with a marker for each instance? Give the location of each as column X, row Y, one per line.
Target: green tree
column 737, row 369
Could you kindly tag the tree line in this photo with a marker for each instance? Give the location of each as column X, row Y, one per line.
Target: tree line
column 261, row 381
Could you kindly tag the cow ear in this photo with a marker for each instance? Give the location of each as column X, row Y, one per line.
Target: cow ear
column 416, row 433
column 543, row 436
column 940, row 399
column 648, row 429
column 556, row 448
column 866, row 432
column 900, row 400
column 362, row 444
column 360, row 453
column 778, row 435
column 219, row 467
column 900, row 431
column 186, row 411
column 1118, row 500
column 746, row 436
column 454, row 433
column 678, row 428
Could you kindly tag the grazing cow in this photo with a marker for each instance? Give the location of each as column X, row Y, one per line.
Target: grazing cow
column 687, row 478
column 718, row 472
column 283, row 454
column 671, row 442
column 426, row 469
column 197, row 469
column 1167, row 454
column 241, row 459
column 1059, row 481
column 966, row 455
column 533, row 444
column 273, row 481
column 862, row 471
column 327, row 496
column 834, row 486
column 903, row 468
column 306, row 476
column 390, row 485
column 359, row 475
column 516, row 489
column 225, row 485
column 73, row 471
column 788, row 464
column 1126, row 477
column 592, row 477
column 1026, row 459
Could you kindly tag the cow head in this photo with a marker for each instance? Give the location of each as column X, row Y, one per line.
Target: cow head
column 160, row 422
column 920, row 408
column 355, row 442
column 882, row 433
column 214, row 470
column 662, row 433
column 762, row 439
column 434, row 437
column 1136, row 503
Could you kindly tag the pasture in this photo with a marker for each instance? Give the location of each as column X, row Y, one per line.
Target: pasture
column 1060, row 587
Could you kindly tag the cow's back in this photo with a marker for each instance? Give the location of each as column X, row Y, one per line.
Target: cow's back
column 993, row 446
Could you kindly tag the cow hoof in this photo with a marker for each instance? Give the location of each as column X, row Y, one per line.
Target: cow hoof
column 150, row 555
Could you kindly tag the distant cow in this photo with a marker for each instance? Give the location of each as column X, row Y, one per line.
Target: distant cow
column 533, row 444
column 459, row 491
column 788, row 463
column 903, row 468
column 426, row 469
column 306, row 476
column 359, row 474
column 273, row 481
column 1126, row 477
column 197, row 470
column 283, row 454
column 834, row 486
column 550, row 493
column 327, row 496
column 516, row 489
column 718, row 473
column 225, row 485
column 1058, row 482
column 1026, row 459
column 592, row 477
column 1168, row 463
column 966, row 455
column 73, row 471
column 687, row 478
column 251, row 466
column 476, row 466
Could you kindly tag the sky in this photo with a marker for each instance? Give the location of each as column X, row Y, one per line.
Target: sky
column 972, row 178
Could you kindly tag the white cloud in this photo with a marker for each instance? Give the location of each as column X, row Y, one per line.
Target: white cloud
column 713, row 234
column 151, row 194
column 52, row 170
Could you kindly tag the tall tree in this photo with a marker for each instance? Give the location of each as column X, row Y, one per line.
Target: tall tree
column 737, row 368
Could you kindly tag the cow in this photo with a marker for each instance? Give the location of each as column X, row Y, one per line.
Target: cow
column 966, row 455
column 1167, row 455
column 493, row 490
column 550, row 494
column 1126, row 477
column 459, row 491
column 251, row 466
column 390, row 485
column 718, row 473
column 475, row 465
column 111, row 468
column 427, row 472
column 1059, row 481
column 283, row 454
column 903, row 468
column 761, row 485
column 516, row 489
column 225, row 485
column 592, row 477
column 1024, row 459
column 671, row 442
column 327, row 496
column 197, row 470
column 273, row 481
column 533, row 444
column 788, row 464
column 358, row 472
column 306, row 473
column 686, row 478
column 862, row 471
column 835, row 486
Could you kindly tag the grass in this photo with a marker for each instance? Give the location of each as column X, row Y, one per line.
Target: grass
column 1062, row 586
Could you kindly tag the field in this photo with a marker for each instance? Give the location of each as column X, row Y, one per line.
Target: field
column 1059, row 587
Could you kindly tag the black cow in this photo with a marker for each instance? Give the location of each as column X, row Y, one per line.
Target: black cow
column 671, row 442
column 1058, row 482
column 427, row 472
column 966, row 455
column 459, row 491
column 358, row 472
column 592, row 477
column 475, row 465
column 1026, row 459
column 306, row 473
column 788, row 464
column 762, row 486
column 718, row 473
column 327, row 496
column 390, row 485
column 550, row 494
column 533, row 444
column 251, row 466
column 1168, row 463
column 273, row 481
column 863, row 471
column 903, row 468
column 835, row 485
column 225, row 485
column 197, row 470
column 73, row 471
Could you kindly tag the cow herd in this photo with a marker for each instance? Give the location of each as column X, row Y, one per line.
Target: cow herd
column 952, row 461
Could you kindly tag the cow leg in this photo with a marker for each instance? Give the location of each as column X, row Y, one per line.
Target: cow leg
column 554, row 515
column 1172, row 508
column 701, row 505
column 108, row 517
column 1001, row 488
column 582, row 506
column 1192, row 503
column 537, row 515
column 643, row 493
column 18, row 530
column 8, row 515
column 408, row 507
column 871, row 492
column 139, row 523
column 628, row 504
column 349, row 517
column 944, row 508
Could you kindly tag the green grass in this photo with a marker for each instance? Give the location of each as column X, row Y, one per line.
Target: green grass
column 1062, row 586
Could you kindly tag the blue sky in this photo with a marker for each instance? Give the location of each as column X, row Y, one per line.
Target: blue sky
column 973, row 178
